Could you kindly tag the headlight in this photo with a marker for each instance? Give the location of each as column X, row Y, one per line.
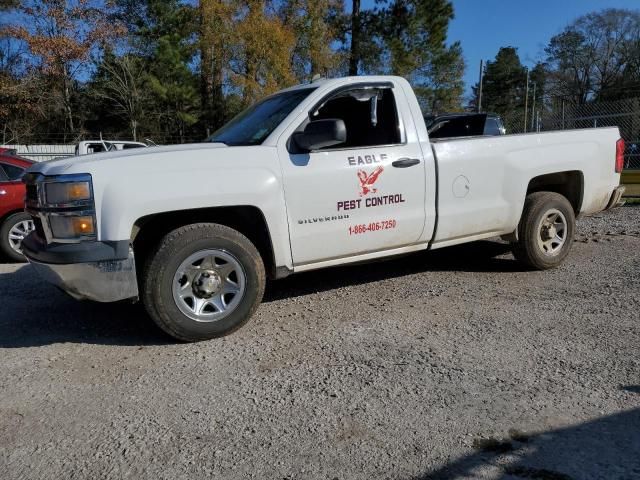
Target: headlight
column 68, row 193
column 71, row 226
column 64, row 204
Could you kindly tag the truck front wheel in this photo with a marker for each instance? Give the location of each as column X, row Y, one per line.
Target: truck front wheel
column 203, row 281
column 545, row 231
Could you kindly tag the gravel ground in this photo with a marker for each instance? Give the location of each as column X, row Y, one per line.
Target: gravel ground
column 448, row 364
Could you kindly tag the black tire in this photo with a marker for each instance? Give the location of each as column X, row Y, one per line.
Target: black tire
column 157, row 282
column 5, row 228
column 528, row 249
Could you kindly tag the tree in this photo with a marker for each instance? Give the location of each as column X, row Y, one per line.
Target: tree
column 21, row 106
column 163, row 36
column 315, row 30
column 504, row 83
column 261, row 59
column 628, row 82
column 174, row 89
column 596, row 56
column 359, row 34
column 180, row 68
column 414, row 34
column 443, row 88
column 216, row 37
column 538, row 85
column 356, row 34
column 60, row 36
column 120, row 82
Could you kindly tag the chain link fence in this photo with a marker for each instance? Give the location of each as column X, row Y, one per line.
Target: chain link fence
column 550, row 114
column 559, row 114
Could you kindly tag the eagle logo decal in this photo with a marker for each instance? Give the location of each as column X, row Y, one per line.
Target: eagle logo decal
column 367, row 180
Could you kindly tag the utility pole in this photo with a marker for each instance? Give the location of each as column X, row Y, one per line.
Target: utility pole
column 480, row 86
column 533, row 107
column 526, row 102
column 354, row 55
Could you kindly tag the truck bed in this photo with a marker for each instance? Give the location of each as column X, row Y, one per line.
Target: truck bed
column 472, row 170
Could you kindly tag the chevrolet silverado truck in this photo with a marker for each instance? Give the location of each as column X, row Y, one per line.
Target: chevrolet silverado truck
column 323, row 174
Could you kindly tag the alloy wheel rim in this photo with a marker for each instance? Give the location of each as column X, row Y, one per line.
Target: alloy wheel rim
column 552, row 232
column 209, row 285
column 18, row 232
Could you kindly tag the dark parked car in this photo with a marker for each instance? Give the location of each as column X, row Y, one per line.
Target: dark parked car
column 464, row 125
column 15, row 224
column 632, row 155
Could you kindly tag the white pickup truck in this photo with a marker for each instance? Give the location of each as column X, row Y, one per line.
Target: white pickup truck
column 323, row 174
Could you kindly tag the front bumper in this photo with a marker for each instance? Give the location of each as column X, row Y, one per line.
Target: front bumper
column 99, row 279
column 616, row 198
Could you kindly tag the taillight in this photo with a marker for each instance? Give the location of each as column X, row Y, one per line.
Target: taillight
column 619, row 155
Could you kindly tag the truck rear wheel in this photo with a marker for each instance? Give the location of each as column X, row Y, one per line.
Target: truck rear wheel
column 204, row 281
column 545, row 232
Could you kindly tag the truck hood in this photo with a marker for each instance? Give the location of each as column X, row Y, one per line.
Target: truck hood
column 88, row 162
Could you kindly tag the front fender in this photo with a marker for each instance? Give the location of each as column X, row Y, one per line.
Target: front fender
column 243, row 177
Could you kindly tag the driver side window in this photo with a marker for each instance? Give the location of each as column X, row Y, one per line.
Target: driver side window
column 370, row 117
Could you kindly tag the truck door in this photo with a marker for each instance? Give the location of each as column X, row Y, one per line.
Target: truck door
column 364, row 195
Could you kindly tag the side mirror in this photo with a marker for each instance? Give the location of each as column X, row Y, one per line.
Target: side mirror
column 321, row 133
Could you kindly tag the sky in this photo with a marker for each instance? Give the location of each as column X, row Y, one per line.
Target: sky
column 483, row 26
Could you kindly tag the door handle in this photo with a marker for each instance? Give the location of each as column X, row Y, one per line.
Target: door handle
column 3, row 192
column 405, row 162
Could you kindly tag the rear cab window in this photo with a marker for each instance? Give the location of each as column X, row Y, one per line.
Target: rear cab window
column 463, row 126
column 492, row 127
column 95, row 148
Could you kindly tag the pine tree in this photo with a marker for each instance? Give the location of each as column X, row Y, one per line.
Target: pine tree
column 414, row 34
column 504, row 83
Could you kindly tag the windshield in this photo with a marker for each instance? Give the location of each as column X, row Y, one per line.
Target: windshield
column 255, row 124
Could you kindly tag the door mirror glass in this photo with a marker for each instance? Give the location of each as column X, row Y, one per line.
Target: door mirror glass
column 321, row 134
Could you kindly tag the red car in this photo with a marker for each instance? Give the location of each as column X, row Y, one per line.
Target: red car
column 15, row 224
